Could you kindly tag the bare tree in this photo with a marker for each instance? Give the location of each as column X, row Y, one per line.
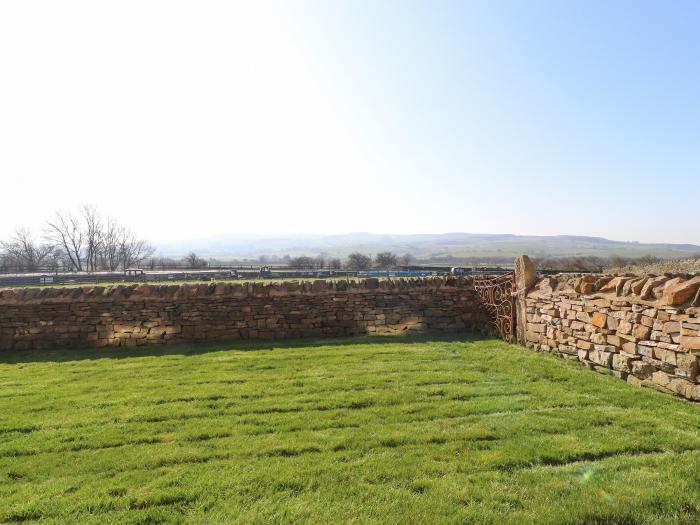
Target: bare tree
column 110, row 241
column 359, row 261
column 303, row 262
column 24, row 253
column 192, row 260
column 133, row 251
column 335, row 264
column 92, row 231
column 385, row 260
column 65, row 231
column 77, row 242
column 617, row 262
column 542, row 263
column 405, row 259
column 648, row 259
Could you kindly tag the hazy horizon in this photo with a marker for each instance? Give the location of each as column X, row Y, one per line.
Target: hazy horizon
column 380, row 233
column 184, row 121
column 454, row 246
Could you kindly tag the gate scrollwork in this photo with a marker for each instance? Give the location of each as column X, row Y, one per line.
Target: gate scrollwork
column 496, row 294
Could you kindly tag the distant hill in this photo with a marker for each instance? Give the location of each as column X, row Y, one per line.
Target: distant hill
column 447, row 247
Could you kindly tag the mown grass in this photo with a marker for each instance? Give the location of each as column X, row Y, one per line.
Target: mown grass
column 369, row 430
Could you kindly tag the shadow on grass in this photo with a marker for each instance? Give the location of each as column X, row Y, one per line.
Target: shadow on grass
column 197, row 348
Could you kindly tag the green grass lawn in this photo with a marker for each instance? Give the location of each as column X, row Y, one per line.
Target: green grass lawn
column 368, row 430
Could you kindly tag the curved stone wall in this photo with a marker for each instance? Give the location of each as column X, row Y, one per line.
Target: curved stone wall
column 646, row 330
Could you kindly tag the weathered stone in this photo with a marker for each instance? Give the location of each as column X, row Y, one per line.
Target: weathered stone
column 650, row 285
column 621, row 363
column 599, row 339
column 584, row 345
column 641, row 332
column 547, row 285
column 632, row 380
column 626, row 288
column 687, row 365
column 614, row 340
column 641, row 369
column 691, row 325
column 601, row 302
column 587, row 288
column 601, row 357
column 614, row 284
column 525, row 274
column 583, row 317
column 525, row 278
column 630, row 348
column 636, row 287
column 679, row 291
column 681, row 387
column 690, row 343
column 599, row 319
column 567, row 349
column 666, row 356
column 693, row 393
column 671, row 327
column 625, row 327
column 600, row 281
column 661, row 378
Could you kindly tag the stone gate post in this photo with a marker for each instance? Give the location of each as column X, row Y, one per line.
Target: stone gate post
column 525, row 278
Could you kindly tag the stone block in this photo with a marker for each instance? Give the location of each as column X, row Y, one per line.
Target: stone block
column 642, row 369
column 678, row 291
column 641, row 332
column 599, row 319
column 691, row 344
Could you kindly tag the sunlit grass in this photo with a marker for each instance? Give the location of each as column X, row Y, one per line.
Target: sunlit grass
column 369, row 430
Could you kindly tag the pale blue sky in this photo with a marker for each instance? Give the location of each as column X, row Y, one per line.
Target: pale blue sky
column 328, row 117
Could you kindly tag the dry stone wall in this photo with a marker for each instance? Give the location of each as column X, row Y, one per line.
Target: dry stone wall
column 646, row 329
column 147, row 314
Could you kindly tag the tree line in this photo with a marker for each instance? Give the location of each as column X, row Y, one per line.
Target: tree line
column 354, row 261
column 83, row 240
column 80, row 241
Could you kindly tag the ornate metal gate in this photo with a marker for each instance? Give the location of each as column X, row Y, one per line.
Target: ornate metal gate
column 498, row 303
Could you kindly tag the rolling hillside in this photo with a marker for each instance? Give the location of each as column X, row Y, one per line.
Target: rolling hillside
column 448, row 247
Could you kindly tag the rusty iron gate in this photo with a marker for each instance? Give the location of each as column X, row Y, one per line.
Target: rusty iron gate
column 497, row 295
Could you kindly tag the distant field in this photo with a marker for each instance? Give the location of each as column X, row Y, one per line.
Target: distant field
column 368, row 430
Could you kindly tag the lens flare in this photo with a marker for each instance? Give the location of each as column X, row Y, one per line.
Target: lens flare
column 585, row 475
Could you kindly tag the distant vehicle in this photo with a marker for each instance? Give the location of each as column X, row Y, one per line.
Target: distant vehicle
column 265, row 271
column 133, row 272
column 459, row 270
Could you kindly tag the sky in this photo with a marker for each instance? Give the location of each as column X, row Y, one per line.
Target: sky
column 186, row 120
